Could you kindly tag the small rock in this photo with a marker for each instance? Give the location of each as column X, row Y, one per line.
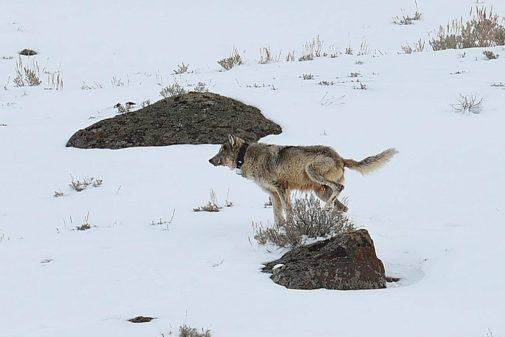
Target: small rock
column 27, row 52
column 141, row 319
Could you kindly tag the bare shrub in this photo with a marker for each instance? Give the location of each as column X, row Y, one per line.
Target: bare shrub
column 361, row 86
column 164, row 223
column 307, row 57
column 498, row 85
column 482, row 30
column 94, row 85
column 186, row 331
column 58, row 194
column 116, row 82
column 407, row 49
column 27, row 74
column 307, row 76
column 211, row 206
column 327, row 83
column 468, row 103
column 348, row 51
column 490, row 55
column 181, row 69
column 173, row 90
column 290, row 57
column 310, row 221
column 231, row 61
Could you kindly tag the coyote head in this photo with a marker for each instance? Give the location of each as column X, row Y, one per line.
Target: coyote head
column 227, row 155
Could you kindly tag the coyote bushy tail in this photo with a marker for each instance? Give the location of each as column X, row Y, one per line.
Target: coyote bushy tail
column 371, row 163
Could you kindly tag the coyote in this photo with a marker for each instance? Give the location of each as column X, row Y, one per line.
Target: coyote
column 279, row 169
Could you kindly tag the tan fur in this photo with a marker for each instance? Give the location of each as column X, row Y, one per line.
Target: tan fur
column 281, row 169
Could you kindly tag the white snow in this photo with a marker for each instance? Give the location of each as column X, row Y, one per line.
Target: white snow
column 435, row 211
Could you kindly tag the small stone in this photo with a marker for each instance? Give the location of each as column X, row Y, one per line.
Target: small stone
column 28, row 52
column 141, row 319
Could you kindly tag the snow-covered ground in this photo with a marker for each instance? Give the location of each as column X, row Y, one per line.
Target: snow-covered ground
column 435, row 211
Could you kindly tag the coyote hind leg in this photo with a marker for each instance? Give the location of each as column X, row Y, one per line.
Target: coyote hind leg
column 324, row 193
column 330, row 190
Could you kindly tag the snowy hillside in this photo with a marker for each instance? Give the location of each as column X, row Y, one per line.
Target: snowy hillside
column 436, row 211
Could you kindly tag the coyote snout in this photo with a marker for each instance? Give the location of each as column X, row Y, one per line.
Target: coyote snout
column 280, row 169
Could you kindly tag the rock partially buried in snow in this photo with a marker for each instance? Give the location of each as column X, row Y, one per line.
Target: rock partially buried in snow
column 192, row 118
column 345, row 263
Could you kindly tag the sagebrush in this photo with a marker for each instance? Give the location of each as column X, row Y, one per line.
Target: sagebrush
column 229, row 62
column 174, row 89
column 187, row 331
column 310, row 221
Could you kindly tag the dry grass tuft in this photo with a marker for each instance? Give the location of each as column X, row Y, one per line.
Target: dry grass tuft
column 27, row 74
column 482, row 30
column 266, row 56
column 407, row 19
column 211, row 206
column 85, row 225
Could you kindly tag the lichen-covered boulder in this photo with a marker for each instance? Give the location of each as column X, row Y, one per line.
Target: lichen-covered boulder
column 345, row 262
column 192, row 118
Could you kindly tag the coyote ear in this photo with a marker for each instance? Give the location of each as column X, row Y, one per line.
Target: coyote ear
column 231, row 139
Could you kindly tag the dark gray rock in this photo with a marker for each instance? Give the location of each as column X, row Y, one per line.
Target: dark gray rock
column 345, row 263
column 192, row 118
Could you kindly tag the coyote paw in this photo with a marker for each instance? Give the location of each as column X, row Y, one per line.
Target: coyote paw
column 341, row 207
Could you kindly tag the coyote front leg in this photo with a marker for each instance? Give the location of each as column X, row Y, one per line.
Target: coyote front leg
column 285, row 198
column 277, row 207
